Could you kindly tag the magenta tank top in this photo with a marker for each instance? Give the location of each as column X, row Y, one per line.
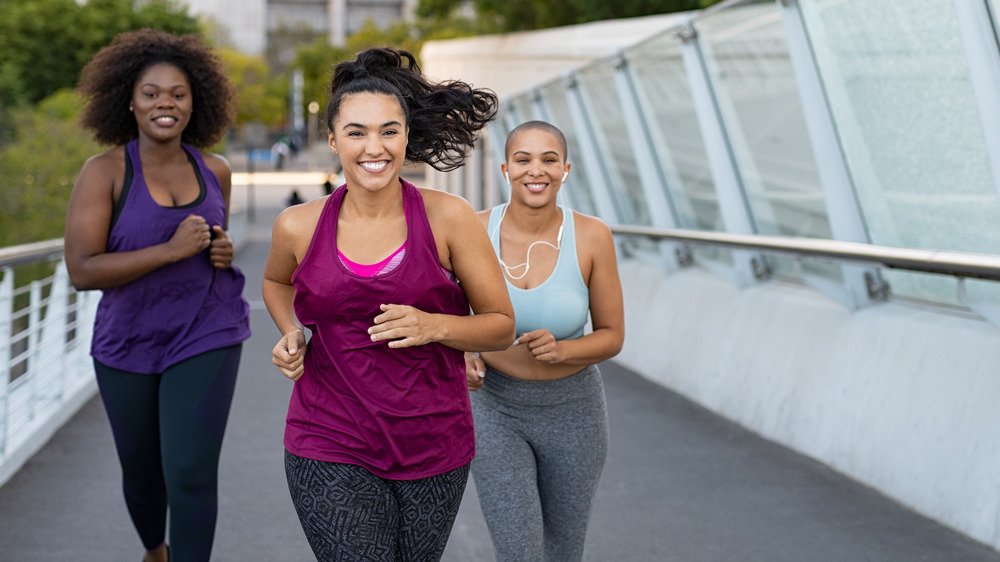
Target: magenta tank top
column 181, row 309
column 402, row 413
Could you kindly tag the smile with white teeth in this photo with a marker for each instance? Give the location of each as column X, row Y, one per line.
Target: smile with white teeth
column 536, row 187
column 375, row 166
column 165, row 120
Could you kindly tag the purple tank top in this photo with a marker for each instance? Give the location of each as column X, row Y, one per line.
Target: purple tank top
column 399, row 413
column 181, row 309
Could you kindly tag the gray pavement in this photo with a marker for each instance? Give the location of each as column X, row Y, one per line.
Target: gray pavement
column 680, row 484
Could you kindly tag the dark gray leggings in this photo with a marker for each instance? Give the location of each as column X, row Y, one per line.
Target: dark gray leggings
column 168, row 431
column 540, row 450
column 349, row 514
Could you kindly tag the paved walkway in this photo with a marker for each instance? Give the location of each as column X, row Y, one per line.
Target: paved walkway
column 680, row 485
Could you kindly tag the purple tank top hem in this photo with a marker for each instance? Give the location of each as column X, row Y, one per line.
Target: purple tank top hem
column 399, row 413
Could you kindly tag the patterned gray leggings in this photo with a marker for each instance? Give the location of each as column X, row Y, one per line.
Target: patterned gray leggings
column 348, row 513
column 540, row 450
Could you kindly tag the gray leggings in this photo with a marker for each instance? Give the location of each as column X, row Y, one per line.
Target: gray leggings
column 540, row 449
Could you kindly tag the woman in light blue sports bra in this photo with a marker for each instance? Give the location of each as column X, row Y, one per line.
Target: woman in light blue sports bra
column 539, row 409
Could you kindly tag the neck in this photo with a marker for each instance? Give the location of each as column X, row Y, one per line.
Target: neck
column 366, row 204
column 531, row 220
column 153, row 151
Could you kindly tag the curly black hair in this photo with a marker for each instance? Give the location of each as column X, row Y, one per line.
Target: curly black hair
column 108, row 79
column 443, row 118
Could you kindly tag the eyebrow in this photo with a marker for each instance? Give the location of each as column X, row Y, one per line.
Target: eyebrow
column 384, row 125
column 553, row 152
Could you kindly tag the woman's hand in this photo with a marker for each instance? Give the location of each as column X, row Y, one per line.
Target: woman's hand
column 192, row 236
column 221, row 251
column 542, row 345
column 475, row 370
column 404, row 325
column 289, row 354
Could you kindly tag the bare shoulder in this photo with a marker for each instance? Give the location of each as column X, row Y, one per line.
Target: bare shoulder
column 445, row 206
column 103, row 170
column 484, row 217
column 217, row 163
column 591, row 230
column 300, row 220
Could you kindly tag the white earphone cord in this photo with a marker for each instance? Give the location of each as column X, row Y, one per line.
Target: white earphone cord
column 527, row 255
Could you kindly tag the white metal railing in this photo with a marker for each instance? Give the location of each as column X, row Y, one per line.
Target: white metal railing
column 45, row 369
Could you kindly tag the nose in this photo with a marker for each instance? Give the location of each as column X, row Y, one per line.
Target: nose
column 374, row 145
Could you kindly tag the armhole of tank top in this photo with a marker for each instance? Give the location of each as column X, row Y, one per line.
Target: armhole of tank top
column 126, row 186
column 313, row 241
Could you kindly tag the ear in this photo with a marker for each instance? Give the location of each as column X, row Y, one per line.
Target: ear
column 331, row 142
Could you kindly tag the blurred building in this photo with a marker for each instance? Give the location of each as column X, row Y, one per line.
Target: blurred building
column 266, row 26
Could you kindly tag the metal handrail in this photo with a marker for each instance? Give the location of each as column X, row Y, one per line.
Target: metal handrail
column 33, row 252
column 958, row 264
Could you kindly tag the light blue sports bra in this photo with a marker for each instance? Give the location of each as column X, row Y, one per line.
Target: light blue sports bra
column 562, row 302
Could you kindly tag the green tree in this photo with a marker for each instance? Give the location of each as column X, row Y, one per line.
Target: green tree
column 38, row 169
column 517, row 15
column 260, row 97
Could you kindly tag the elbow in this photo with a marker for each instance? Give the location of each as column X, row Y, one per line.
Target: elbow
column 78, row 280
column 504, row 338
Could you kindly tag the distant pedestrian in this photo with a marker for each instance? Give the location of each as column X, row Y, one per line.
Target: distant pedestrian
column 294, row 198
column 279, row 153
column 147, row 225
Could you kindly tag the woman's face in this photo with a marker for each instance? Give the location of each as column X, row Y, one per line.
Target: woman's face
column 369, row 135
column 162, row 102
column 535, row 167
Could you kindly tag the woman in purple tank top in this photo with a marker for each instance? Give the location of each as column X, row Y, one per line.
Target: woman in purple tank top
column 147, row 226
column 383, row 275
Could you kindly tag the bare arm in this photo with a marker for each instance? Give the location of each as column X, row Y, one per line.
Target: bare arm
column 88, row 221
column 221, row 252
column 287, row 235
column 471, row 257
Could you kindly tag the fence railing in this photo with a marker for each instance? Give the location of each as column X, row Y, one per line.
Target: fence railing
column 45, row 369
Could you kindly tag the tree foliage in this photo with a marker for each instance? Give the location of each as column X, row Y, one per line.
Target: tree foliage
column 45, row 43
column 38, row 169
column 518, row 15
column 260, row 96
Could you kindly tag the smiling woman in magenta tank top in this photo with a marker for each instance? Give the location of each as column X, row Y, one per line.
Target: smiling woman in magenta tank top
column 383, row 274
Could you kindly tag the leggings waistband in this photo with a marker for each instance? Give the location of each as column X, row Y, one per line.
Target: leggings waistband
column 583, row 385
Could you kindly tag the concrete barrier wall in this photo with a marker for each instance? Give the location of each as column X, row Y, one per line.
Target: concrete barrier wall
column 897, row 396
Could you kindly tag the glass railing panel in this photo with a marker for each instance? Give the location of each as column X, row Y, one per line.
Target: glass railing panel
column 746, row 53
column 899, row 87
column 598, row 81
column 577, row 188
column 663, row 82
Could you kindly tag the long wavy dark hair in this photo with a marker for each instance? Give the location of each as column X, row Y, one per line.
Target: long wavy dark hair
column 108, row 79
column 443, row 118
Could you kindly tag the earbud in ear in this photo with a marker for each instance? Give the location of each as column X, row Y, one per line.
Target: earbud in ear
column 506, row 176
column 565, row 175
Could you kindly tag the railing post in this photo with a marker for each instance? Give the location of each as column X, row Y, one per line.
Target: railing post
column 590, row 158
column 6, row 311
column 863, row 284
column 56, row 318
column 651, row 174
column 34, row 357
column 733, row 207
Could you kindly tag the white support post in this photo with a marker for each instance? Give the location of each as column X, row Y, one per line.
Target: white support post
column 651, row 175
column 501, row 193
column 6, row 312
column 862, row 284
column 56, row 320
column 34, row 357
column 733, row 207
column 979, row 38
column 592, row 160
